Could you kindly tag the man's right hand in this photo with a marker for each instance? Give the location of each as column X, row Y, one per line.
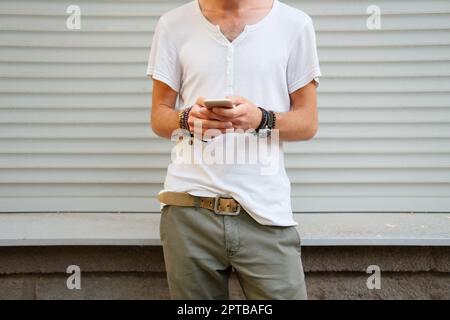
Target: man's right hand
column 202, row 115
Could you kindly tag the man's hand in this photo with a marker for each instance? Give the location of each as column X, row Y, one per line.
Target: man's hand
column 200, row 113
column 245, row 115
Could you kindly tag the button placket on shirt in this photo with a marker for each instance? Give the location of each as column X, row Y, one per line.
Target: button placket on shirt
column 229, row 70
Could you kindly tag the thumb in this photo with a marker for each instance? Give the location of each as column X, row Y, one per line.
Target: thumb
column 236, row 100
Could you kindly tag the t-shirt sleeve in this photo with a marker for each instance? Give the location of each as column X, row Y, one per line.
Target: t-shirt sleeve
column 303, row 64
column 163, row 62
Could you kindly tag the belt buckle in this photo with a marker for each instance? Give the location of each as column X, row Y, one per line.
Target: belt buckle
column 216, row 206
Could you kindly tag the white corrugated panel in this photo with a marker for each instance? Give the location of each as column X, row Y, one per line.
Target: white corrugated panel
column 74, row 109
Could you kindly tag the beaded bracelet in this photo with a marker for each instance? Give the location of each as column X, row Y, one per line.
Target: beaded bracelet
column 264, row 119
column 183, row 117
column 274, row 120
column 186, row 118
column 268, row 121
column 271, row 123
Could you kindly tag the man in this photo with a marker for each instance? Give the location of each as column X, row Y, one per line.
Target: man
column 220, row 216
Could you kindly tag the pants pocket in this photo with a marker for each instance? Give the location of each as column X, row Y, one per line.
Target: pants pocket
column 162, row 223
column 298, row 237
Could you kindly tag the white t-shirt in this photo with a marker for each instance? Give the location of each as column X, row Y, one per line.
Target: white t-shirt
column 265, row 63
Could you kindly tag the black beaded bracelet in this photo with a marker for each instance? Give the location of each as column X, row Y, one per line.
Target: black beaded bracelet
column 264, row 119
column 268, row 122
column 271, row 124
column 274, row 120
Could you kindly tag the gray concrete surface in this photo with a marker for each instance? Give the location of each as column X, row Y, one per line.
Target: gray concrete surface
column 138, row 273
column 136, row 229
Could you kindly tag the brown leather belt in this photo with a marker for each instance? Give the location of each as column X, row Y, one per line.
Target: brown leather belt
column 220, row 204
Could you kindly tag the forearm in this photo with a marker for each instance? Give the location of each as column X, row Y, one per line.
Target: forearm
column 300, row 124
column 164, row 121
column 164, row 117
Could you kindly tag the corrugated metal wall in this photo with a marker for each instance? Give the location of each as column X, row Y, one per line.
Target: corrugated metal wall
column 74, row 108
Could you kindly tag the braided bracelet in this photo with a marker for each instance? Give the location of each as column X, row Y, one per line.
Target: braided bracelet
column 183, row 117
column 180, row 119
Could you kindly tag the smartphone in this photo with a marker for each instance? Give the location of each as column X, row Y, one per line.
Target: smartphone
column 219, row 103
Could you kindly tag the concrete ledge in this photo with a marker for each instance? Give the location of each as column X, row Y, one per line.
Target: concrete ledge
column 146, row 286
column 138, row 272
column 316, row 229
column 101, row 259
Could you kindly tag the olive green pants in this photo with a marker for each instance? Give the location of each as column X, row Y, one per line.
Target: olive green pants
column 201, row 248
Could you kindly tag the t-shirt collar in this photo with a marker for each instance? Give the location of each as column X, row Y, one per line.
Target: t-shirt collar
column 216, row 28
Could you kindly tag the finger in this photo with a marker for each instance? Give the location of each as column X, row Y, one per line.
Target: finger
column 200, row 101
column 224, row 112
column 230, row 113
column 210, row 133
column 237, row 100
column 209, row 114
column 197, row 112
column 214, row 124
column 237, row 122
column 197, row 124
